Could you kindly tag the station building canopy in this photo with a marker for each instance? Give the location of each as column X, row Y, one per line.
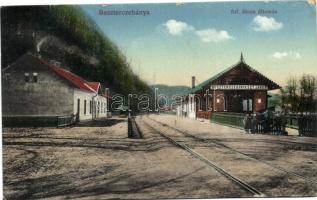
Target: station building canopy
column 240, row 76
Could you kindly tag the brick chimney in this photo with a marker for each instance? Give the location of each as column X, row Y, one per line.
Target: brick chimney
column 193, row 82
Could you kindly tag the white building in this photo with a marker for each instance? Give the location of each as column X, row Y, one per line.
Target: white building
column 90, row 104
column 187, row 108
column 35, row 88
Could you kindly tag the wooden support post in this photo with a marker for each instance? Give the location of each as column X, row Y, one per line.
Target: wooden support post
column 213, row 108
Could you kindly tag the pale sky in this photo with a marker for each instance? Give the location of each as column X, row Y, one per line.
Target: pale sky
column 173, row 42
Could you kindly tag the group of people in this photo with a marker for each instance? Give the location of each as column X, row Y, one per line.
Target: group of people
column 265, row 122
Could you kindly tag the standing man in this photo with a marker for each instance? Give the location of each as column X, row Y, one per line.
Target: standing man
column 247, row 123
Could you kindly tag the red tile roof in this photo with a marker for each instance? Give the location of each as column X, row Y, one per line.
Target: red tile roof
column 74, row 79
column 94, row 85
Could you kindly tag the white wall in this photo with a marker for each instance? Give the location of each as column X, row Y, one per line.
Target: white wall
column 179, row 110
column 191, row 107
column 99, row 105
column 82, row 95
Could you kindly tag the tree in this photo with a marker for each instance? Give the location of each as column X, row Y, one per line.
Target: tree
column 289, row 94
column 299, row 95
column 307, row 102
column 23, row 25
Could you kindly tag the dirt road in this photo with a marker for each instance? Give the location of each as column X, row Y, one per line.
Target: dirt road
column 102, row 163
column 98, row 161
column 275, row 165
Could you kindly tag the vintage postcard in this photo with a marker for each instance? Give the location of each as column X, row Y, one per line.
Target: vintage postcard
column 159, row 100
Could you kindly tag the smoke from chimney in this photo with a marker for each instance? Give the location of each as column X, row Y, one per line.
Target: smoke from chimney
column 39, row 44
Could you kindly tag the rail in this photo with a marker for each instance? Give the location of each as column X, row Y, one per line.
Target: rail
column 202, row 158
column 187, row 134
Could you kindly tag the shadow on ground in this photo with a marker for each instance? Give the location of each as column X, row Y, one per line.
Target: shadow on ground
column 88, row 183
column 105, row 122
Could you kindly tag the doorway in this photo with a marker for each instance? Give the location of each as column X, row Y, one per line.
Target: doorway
column 78, row 110
column 247, row 105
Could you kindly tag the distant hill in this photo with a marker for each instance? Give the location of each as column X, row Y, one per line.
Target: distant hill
column 169, row 91
column 274, row 100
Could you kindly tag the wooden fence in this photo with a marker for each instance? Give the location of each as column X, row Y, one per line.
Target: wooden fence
column 231, row 119
column 292, row 120
column 305, row 123
column 37, row 121
column 204, row 114
column 274, row 123
column 66, row 120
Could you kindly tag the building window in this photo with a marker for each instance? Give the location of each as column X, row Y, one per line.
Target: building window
column 27, row 77
column 90, row 107
column 250, row 104
column 259, row 100
column 85, row 107
column 6, row 76
column 93, row 107
column 247, row 105
column 35, row 75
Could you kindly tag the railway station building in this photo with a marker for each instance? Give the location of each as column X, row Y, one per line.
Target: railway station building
column 237, row 89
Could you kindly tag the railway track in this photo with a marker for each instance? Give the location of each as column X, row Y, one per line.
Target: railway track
column 240, row 183
column 236, row 151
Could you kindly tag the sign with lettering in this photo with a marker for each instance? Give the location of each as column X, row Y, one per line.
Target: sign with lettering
column 238, row 87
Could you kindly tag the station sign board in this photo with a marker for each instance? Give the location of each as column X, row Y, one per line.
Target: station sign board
column 238, row 87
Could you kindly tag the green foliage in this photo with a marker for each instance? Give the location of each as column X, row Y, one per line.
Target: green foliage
column 307, row 96
column 299, row 95
column 70, row 24
column 274, row 100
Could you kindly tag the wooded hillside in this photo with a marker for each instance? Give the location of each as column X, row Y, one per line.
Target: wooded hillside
column 68, row 35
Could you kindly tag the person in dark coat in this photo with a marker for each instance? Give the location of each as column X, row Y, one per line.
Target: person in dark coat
column 247, row 123
column 266, row 123
column 254, row 123
column 283, row 123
